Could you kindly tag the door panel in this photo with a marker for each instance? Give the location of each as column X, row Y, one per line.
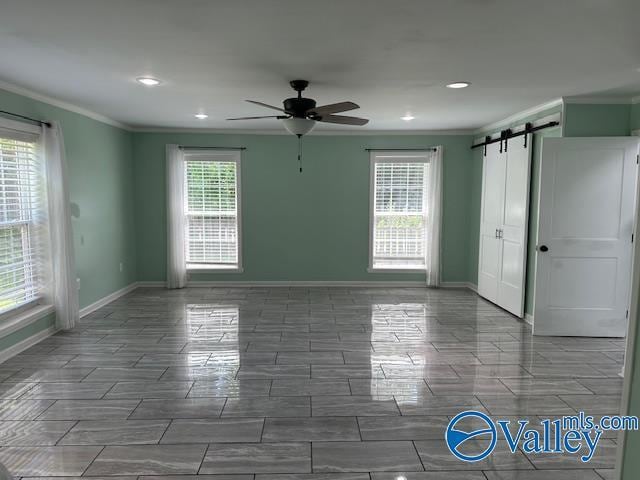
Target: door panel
column 586, row 219
column 493, row 174
column 514, row 226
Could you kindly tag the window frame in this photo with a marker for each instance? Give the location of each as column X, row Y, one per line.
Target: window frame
column 206, row 155
column 15, row 317
column 389, row 156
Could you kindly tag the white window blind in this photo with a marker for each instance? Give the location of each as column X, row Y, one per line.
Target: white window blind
column 399, row 210
column 212, row 236
column 21, row 201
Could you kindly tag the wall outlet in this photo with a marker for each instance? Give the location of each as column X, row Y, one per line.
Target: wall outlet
column 121, row 266
column 78, row 282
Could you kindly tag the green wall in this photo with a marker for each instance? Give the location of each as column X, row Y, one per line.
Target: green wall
column 100, row 167
column 309, row 226
column 596, row 120
column 634, row 114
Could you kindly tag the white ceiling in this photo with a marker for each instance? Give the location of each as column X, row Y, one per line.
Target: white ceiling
column 389, row 56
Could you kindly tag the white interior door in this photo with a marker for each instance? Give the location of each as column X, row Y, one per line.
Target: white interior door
column 514, row 226
column 491, row 214
column 586, row 222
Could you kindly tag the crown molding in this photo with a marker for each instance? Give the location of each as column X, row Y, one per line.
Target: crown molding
column 518, row 116
column 235, row 131
column 9, row 87
column 600, row 100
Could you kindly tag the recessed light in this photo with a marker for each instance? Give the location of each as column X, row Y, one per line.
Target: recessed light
column 148, row 81
column 201, row 116
column 458, row 85
column 408, row 117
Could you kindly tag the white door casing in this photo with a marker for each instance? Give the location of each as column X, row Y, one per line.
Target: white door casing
column 585, row 223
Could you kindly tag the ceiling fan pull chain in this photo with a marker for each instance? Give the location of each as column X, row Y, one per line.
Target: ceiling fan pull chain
column 300, row 152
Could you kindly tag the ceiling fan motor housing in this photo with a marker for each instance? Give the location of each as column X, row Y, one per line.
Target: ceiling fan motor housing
column 299, row 106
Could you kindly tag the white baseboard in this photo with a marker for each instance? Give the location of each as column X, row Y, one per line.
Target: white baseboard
column 151, row 284
column 528, row 318
column 314, row 283
column 16, row 348
column 293, row 283
column 108, row 299
column 471, row 286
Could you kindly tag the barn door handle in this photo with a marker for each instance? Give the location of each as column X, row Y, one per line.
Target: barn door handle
column 543, row 248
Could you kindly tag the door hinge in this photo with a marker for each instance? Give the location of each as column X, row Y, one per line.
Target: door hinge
column 632, row 237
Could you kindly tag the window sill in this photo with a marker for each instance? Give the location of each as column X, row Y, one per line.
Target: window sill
column 16, row 322
column 396, row 270
column 213, row 269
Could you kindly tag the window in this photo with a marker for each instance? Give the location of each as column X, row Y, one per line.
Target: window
column 398, row 210
column 212, row 206
column 21, row 215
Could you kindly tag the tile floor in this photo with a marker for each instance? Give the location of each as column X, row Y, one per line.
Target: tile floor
column 294, row 383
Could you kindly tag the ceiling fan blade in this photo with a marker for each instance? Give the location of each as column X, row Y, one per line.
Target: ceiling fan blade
column 266, row 105
column 333, row 108
column 256, row 118
column 343, row 120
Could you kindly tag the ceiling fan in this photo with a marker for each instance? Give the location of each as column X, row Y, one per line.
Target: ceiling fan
column 300, row 114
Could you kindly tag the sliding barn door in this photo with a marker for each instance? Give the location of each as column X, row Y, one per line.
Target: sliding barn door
column 503, row 225
column 490, row 250
column 513, row 232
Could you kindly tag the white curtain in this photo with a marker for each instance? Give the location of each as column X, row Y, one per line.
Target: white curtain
column 434, row 219
column 63, row 268
column 176, row 261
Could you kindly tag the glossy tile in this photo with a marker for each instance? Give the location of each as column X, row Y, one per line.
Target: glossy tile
column 310, row 387
column 114, row 432
column 435, row 455
column 126, row 390
column 68, row 391
column 311, row 429
column 47, row 461
column 365, row 457
column 217, row 430
column 179, row 408
column 148, row 460
column 224, row 458
column 267, row 407
column 30, row 433
column 402, row 428
column 333, row 406
column 89, row 410
column 230, row 388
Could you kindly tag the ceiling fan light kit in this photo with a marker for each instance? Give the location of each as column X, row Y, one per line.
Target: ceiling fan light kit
column 298, row 126
column 299, row 114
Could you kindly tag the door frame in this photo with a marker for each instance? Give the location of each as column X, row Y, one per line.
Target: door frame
column 632, row 329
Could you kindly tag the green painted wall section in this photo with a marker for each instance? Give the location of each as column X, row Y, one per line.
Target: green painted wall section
column 596, row 120
column 100, row 167
column 634, row 114
column 310, row 226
